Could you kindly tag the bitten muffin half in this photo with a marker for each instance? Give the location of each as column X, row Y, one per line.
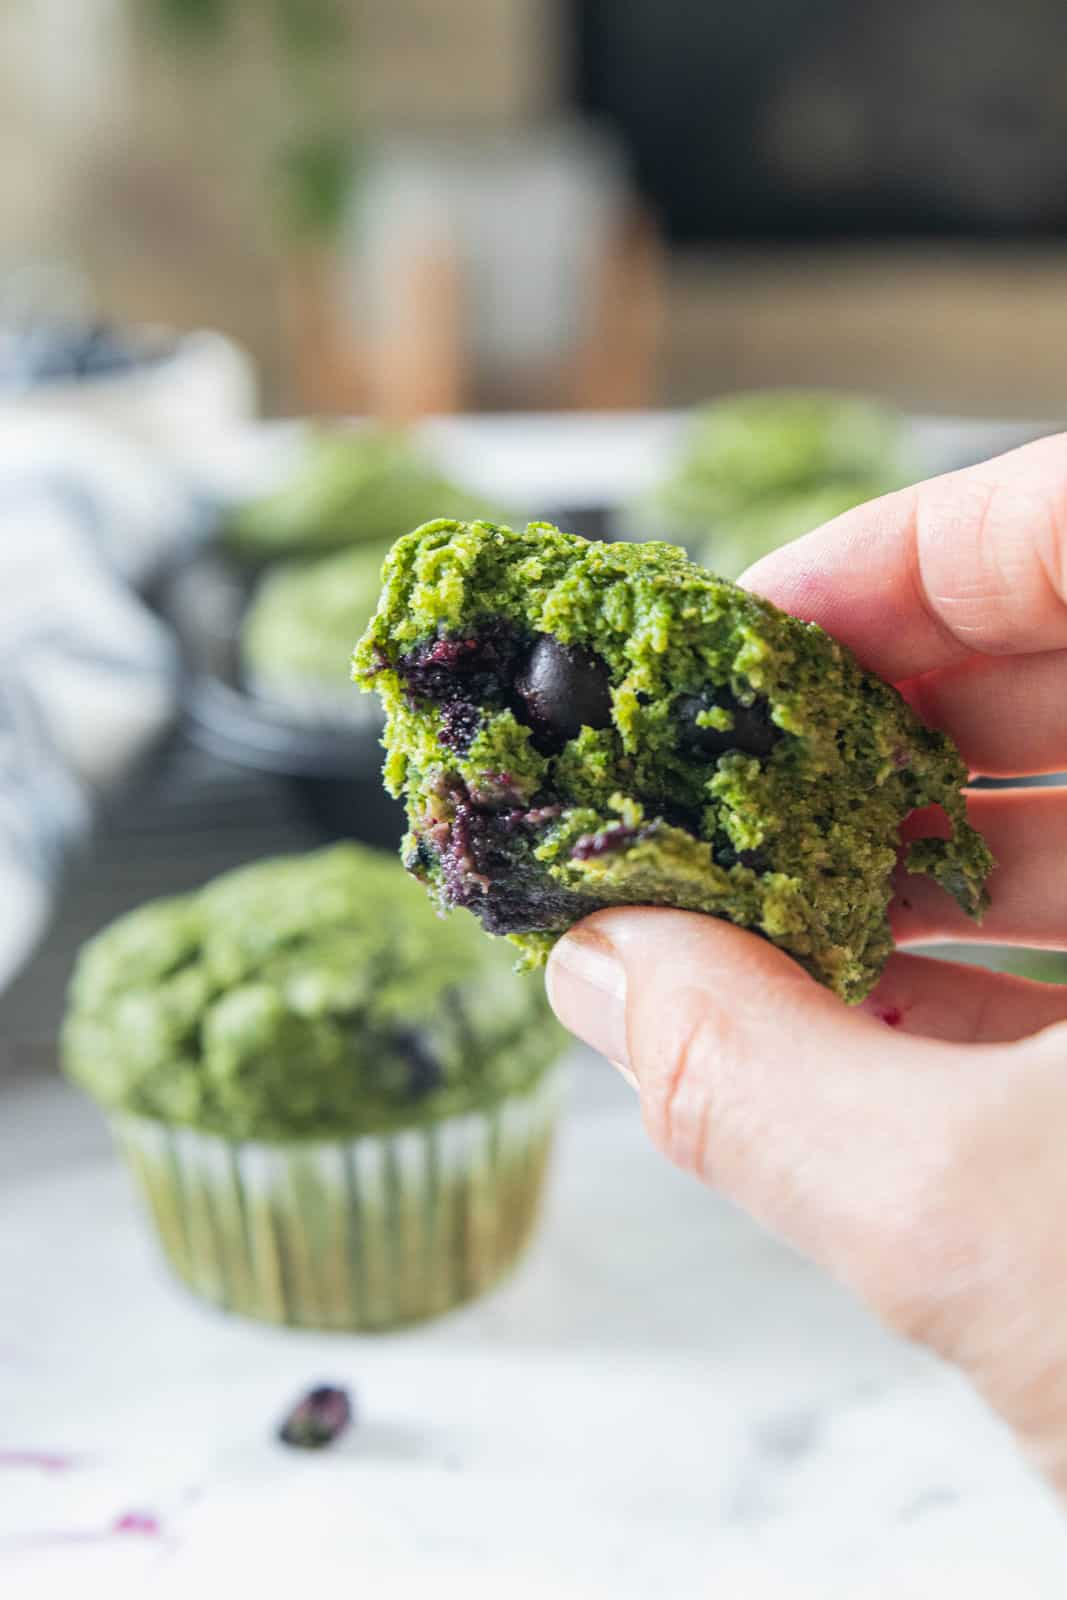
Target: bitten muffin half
column 579, row 725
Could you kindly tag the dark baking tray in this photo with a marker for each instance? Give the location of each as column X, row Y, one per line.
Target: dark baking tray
column 333, row 770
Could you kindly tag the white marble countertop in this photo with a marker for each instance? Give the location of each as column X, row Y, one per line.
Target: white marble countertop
column 662, row 1402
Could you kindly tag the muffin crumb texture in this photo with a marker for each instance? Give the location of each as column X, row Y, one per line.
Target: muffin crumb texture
column 579, row 725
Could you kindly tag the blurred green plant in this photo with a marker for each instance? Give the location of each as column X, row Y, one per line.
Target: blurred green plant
column 309, row 167
column 313, row 177
column 300, row 24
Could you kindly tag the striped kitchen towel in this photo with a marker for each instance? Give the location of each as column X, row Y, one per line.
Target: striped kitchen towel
column 88, row 674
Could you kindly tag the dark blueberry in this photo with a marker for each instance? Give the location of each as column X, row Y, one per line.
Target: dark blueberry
column 752, row 733
column 419, row 860
column 675, row 813
column 478, row 666
column 460, row 721
column 563, row 689
column 425, row 1072
column 725, row 855
column 320, row 1417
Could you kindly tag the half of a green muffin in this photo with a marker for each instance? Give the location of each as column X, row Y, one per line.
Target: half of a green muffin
column 579, row 725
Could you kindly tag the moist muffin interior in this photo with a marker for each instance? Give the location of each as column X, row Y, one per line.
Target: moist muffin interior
column 576, row 725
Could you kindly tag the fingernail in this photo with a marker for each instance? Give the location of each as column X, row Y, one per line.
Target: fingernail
column 587, row 990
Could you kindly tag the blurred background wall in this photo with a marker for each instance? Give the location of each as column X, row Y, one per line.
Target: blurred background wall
column 816, row 191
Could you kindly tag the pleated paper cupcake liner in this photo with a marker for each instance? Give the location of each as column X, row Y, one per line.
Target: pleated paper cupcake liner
column 360, row 1234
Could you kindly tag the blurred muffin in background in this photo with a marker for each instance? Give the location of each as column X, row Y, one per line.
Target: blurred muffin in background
column 337, row 1108
column 757, row 470
column 1042, row 966
column 755, row 531
column 298, row 634
column 352, row 486
column 1045, row 966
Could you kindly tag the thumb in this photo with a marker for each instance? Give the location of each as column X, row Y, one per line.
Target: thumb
column 829, row 1127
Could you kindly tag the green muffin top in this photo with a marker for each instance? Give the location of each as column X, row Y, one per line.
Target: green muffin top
column 741, row 538
column 309, row 996
column 305, row 615
column 361, row 486
column 757, row 456
column 576, row 725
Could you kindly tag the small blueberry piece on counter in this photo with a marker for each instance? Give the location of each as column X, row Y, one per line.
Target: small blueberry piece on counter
column 319, row 1418
column 564, row 689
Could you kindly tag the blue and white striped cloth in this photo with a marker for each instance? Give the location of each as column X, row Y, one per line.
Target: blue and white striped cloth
column 88, row 674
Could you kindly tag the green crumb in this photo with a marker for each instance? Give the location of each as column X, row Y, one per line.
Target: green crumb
column 579, row 725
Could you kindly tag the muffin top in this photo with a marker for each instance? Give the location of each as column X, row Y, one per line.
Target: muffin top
column 352, row 486
column 305, row 617
column 744, row 536
column 310, row 996
column 756, row 450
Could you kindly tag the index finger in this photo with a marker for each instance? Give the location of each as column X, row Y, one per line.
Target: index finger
column 969, row 564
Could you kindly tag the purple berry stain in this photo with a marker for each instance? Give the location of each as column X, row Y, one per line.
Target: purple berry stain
column 37, row 1460
column 616, row 836
column 138, row 1522
column 318, row 1419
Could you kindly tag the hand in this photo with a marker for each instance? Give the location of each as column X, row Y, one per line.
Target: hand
column 916, row 1146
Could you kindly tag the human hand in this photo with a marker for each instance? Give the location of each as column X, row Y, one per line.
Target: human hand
column 914, row 1146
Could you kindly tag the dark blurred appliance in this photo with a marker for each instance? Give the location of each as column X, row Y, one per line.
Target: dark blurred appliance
column 811, row 119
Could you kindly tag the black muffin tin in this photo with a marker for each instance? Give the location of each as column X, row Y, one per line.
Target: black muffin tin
column 334, row 769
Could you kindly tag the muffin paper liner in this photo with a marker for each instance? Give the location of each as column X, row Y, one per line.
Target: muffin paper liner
column 359, row 1234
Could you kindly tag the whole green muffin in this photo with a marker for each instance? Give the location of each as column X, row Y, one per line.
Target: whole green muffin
column 305, row 997
column 772, row 443
column 747, row 534
column 352, row 486
column 756, row 470
column 579, row 725
column 297, row 633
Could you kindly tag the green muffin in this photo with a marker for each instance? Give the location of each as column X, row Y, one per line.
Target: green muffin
column 1041, row 966
column 756, row 470
column 352, row 486
column 579, row 725
column 745, row 536
column 337, row 1108
column 297, row 635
